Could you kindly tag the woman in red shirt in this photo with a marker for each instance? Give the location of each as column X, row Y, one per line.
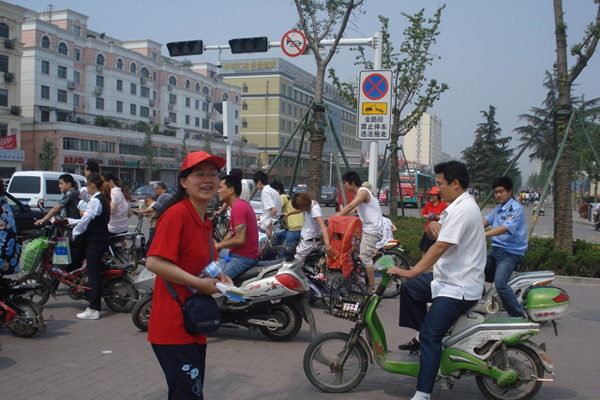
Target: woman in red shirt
column 431, row 212
column 179, row 252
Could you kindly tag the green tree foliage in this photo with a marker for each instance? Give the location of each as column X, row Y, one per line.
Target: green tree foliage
column 489, row 156
column 320, row 20
column 413, row 94
column 48, row 154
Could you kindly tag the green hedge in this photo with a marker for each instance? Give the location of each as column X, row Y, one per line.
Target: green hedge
column 541, row 255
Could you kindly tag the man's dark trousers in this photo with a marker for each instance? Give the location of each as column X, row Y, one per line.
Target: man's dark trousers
column 432, row 326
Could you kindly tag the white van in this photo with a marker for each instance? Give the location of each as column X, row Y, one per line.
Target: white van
column 31, row 187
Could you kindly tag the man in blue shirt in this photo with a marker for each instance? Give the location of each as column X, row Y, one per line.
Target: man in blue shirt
column 509, row 242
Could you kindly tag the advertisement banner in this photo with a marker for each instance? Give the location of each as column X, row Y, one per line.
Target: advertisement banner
column 8, row 142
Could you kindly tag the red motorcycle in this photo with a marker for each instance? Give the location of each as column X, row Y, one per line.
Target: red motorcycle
column 118, row 290
column 22, row 317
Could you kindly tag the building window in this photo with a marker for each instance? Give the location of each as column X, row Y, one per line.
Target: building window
column 119, row 63
column 3, row 98
column 46, row 67
column 205, row 106
column 197, row 122
column 77, row 77
column 225, row 96
column 187, row 119
column 172, row 81
column 132, row 109
column 133, row 88
column 236, row 114
column 45, row 42
column 119, row 85
column 289, row 126
column 172, row 99
column 282, row 125
column 154, row 56
column 245, row 88
column 244, row 106
column 99, row 80
column 144, row 111
column 45, row 116
column 100, row 59
column 77, row 30
column 282, row 108
column 205, row 90
column 77, row 54
column 75, row 100
column 145, row 72
column 197, row 87
column 61, row 96
column 244, row 123
column 62, row 49
column 45, row 92
column 204, row 123
column 187, row 84
column 119, row 106
column 3, row 63
column 173, row 117
column 188, row 102
column 133, row 68
column 282, row 89
column 236, row 129
column 289, row 109
column 70, row 143
column 197, row 104
column 4, row 30
column 99, row 103
column 145, row 92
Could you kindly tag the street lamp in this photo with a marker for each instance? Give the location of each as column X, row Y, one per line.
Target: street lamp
column 330, row 166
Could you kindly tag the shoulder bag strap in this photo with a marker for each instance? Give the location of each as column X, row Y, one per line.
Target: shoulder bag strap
column 170, row 287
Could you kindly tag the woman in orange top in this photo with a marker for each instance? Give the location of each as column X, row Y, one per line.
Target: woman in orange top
column 431, row 212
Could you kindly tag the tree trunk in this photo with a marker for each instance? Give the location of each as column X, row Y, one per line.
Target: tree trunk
column 394, row 170
column 317, row 139
column 563, row 211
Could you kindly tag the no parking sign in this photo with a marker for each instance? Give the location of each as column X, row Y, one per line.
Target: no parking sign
column 374, row 109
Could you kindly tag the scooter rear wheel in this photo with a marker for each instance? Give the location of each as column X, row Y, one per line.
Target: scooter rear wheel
column 26, row 323
column 291, row 320
column 322, row 363
column 141, row 312
column 120, row 294
column 39, row 296
column 526, row 363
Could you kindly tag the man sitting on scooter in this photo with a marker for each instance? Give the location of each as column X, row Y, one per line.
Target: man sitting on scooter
column 458, row 259
column 242, row 240
column 509, row 242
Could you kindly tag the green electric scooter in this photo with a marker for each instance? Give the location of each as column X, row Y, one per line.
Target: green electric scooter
column 497, row 351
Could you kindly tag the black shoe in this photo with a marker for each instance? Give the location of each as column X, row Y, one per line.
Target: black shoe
column 411, row 346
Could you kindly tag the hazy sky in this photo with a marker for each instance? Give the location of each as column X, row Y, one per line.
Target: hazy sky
column 492, row 52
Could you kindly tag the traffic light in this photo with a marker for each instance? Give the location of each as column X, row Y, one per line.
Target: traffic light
column 185, row 48
column 249, row 45
column 225, row 126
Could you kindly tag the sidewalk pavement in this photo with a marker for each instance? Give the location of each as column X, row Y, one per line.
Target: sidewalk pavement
column 110, row 359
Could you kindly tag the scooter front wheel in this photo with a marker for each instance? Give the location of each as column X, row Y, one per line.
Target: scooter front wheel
column 323, row 364
column 528, row 367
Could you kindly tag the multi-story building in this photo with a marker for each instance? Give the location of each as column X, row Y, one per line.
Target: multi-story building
column 11, row 155
column 423, row 143
column 275, row 97
column 97, row 97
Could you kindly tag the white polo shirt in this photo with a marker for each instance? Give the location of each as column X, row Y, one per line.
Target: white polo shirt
column 269, row 198
column 459, row 273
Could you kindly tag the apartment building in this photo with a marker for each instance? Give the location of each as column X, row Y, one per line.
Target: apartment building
column 100, row 98
column 11, row 155
column 423, row 143
column 275, row 97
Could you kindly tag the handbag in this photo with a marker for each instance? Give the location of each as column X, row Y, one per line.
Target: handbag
column 62, row 252
column 201, row 313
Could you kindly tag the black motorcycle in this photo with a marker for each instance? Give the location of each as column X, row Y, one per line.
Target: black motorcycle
column 21, row 315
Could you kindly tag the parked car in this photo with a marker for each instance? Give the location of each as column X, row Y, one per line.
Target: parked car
column 25, row 216
column 40, row 187
column 147, row 190
column 329, row 196
column 256, row 202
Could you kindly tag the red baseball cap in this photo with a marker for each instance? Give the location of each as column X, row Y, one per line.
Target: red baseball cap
column 435, row 190
column 200, row 156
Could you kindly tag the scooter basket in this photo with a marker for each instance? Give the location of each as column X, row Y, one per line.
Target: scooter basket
column 31, row 254
column 347, row 298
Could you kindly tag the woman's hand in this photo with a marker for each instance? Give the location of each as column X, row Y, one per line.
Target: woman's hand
column 224, row 278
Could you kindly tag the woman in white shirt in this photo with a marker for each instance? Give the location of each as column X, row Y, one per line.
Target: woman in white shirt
column 119, row 204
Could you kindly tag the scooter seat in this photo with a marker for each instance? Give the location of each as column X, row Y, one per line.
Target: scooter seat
column 248, row 274
column 124, row 267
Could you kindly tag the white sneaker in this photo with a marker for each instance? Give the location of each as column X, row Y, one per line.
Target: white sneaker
column 89, row 314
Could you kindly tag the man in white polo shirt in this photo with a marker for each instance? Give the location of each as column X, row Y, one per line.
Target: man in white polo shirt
column 271, row 202
column 458, row 258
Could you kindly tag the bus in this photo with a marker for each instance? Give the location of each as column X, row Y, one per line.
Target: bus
column 415, row 186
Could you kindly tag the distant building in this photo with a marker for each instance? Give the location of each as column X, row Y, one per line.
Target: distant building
column 275, row 96
column 11, row 155
column 423, row 143
column 95, row 96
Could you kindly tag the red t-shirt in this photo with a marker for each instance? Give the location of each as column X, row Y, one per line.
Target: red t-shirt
column 182, row 238
column 242, row 213
column 430, row 208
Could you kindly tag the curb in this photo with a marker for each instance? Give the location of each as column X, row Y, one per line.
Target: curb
column 577, row 280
